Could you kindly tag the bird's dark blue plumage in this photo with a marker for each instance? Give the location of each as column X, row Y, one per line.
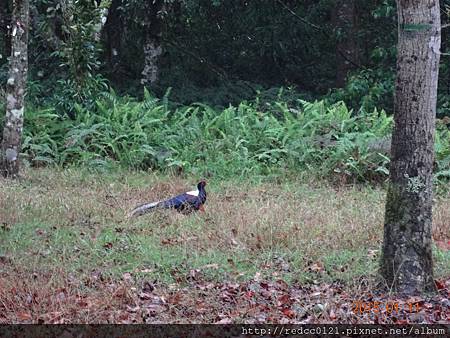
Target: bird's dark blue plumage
column 186, row 202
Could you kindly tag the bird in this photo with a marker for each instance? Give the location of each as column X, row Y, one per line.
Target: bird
column 184, row 203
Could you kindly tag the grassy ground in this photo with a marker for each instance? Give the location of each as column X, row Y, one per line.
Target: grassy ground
column 69, row 254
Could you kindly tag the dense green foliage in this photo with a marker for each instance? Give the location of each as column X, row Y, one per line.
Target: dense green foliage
column 253, row 138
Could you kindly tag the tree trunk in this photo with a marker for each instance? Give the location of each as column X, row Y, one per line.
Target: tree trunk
column 407, row 262
column 347, row 54
column 15, row 90
column 152, row 42
column 113, row 30
column 5, row 20
column 102, row 17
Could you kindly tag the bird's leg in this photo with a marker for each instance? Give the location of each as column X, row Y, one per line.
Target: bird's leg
column 201, row 208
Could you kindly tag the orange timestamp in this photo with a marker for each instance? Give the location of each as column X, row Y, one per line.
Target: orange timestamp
column 360, row 307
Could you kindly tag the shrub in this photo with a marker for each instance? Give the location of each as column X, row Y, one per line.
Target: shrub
column 252, row 138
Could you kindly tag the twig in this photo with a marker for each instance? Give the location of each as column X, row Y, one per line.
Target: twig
column 299, row 17
column 322, row 30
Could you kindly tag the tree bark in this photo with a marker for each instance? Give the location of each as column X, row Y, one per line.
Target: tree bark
column 113, row 30
column 5, row 20
column 152, row 42
column 15, row 90
column 102, row 18
column 407, row 264
column 347, row 53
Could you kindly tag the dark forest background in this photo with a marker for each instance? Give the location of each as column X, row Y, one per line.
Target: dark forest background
column 219, row 52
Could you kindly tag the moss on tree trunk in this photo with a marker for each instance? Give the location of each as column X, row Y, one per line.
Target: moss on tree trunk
column 407, row 262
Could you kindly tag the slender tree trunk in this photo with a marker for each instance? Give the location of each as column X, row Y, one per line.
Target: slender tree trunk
column 15, row 90
column 5, row 20
column 113, row 30
column 407, row 262
column 101, row 19
column 152, row 42
column 347, row 53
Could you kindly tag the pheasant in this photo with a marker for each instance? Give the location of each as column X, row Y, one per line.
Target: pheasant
column 185, row 203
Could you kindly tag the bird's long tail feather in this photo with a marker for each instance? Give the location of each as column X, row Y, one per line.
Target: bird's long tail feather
column 143, row 209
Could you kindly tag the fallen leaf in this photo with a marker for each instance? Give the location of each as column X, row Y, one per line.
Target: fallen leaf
column 316, row 267
column 288, row 313
column 145, row 296
column 23, row 316
column 283, row 300
column 224, row 321
column 133, row 309
column 439, row 284
column 148, row 287
column 332, row 315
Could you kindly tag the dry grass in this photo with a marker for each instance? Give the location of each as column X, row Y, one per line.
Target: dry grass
column 62, row 232
column 53, row 296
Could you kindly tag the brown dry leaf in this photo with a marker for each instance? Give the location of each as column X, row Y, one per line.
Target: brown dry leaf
column 282, row 284
column 175, row 299
column 439, row 284
column 288, row 313
column 153, row 309
column 23, row 316
column 316, row 267
column 332, row 315
column 148, row 287
column 166, row 241
column 224, row 321
column 133, row 309
column 145, row 296
column 283, row 300
column 82, row 302
column 200, row 307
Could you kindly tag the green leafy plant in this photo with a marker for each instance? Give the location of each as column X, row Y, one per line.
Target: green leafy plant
column 326, row 139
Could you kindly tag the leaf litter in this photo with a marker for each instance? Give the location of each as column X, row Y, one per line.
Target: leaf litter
column 254, row 301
